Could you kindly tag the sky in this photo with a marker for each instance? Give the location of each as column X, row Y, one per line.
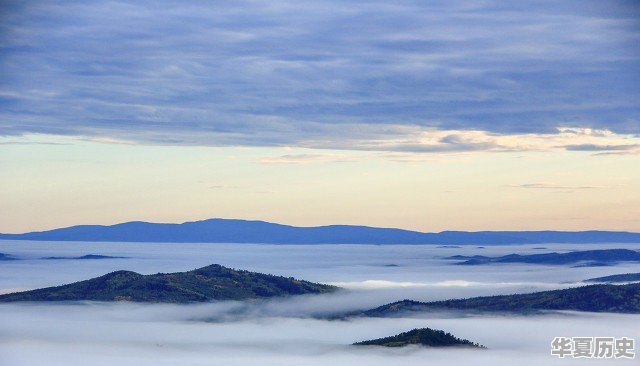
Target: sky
column 439, row 115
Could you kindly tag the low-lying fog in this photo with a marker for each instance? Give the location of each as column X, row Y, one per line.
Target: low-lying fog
column 284, row 331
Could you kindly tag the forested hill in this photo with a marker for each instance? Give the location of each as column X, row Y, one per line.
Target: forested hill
column 593, row 298
column 421, row 337
column 210, row 283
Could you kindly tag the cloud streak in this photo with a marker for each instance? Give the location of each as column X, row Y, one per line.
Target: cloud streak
column 307, row 158
column 554, row 186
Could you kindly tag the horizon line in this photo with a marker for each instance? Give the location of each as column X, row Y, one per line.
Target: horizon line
column 320, row 226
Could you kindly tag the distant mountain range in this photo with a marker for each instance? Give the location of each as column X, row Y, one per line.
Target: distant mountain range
column 8, row 257
column 210, row 283
column 86, row 257
column 243, row 231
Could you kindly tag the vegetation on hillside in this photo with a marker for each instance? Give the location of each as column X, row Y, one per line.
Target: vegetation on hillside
column 594, row 298
column 422, row 337
column 213, row 282
column 585, row 257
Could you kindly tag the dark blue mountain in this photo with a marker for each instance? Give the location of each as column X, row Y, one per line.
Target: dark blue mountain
column 86, row 257
column 586, row 257
column 7, row 257
column 242, row 231
column 625, row 277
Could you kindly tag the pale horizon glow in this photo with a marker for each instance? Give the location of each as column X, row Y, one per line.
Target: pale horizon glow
column 52, row 182
column 426, row 116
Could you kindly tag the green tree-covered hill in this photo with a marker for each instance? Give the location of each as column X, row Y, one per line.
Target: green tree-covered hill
column 213, row 282
column 594, row 298
column 422, row 337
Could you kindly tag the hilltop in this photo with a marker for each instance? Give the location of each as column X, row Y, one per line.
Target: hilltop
column 422, row 337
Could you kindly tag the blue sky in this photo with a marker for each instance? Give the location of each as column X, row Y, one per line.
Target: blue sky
column 326, row 83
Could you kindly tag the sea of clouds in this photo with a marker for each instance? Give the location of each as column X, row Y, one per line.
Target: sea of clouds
column 295, row 330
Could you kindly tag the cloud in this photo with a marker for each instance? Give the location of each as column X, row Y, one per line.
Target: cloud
column 306, row 159
column 416, row 139
column 131, row 334
column 30, row 143
column 224, row 186
column 554, row 186
column 617, row 153
column 288, row 331
column 318, row 73
column 606, row 149
column 593, row 147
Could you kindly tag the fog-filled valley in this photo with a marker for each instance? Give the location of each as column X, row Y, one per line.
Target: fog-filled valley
column 297, row 329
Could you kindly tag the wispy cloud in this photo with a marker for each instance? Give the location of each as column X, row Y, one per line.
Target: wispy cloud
column 615, row 153
column 224, row 186
column 306, row 159
column 594, row 147
column 30, row 143
column 554, row 186
column 415, row 139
